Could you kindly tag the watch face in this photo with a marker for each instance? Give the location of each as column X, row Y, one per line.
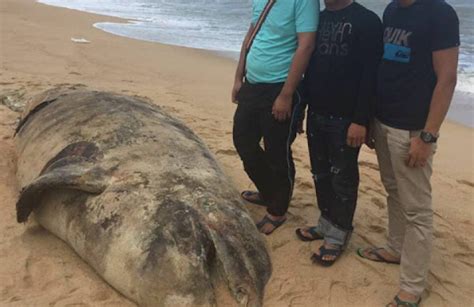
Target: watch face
column 426, row 137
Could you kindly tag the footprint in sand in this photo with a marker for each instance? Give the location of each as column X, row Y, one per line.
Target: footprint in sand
column 14, row 299
column 226, row 152
column 305, row 185
column 440, row 234
column 279, row 244
column 301, row 205
column 465, row 182
column 33, row 84
column 294, row 220
column 297, row 159
column 369, row 190
column 338, row 294
column 377, row 229
column 465, row 258
column 369, row 165
column 378, row 202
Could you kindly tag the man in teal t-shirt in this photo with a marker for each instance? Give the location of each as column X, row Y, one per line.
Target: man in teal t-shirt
column 265, row 88
column 272, row 52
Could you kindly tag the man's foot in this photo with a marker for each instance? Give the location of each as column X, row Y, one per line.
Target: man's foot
column 378, row 255
column 253, row 197
column 306, row 234
column 269, row 223
column 405, row 299
column 327, row 254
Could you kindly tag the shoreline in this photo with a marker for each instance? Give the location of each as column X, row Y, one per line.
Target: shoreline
column 194, row 86
column 461, row 111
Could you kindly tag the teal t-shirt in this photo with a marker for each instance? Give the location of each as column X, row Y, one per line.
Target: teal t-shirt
column 273, row 49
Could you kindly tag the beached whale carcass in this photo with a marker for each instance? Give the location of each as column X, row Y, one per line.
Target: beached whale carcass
column 139, row 197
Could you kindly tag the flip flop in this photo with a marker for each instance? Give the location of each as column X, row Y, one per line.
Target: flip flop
column 313, row 231
column 401, row 303
column 323, row 251
column 378, row 256
column 246, row 194
column 267, row 220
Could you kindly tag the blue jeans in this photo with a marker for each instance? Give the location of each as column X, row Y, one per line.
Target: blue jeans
column 336, row 175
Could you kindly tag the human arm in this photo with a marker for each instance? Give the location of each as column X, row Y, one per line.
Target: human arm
column 306, row 22
column 369, row 50
column 283, row 104
column 445, row 63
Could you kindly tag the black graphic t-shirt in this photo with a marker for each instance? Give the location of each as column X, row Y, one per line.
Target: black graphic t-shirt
column 406, row 78
column 341, row 77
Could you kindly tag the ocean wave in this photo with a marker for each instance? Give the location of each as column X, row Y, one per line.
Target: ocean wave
column 220, row 25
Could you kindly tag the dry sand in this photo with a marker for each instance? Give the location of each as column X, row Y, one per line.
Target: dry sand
column 36, row 269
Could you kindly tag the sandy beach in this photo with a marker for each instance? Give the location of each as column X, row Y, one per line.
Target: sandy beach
column 37, row 269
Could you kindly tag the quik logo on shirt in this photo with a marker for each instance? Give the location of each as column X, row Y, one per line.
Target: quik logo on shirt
column 397, row 45
column 333, row 38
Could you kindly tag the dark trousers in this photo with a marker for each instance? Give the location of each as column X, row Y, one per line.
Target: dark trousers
column 271, row 168
column 335, row 169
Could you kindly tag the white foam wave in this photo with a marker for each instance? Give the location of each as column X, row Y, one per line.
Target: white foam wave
column 217, row 25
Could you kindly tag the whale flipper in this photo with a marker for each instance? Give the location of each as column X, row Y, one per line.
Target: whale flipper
column 78, row 175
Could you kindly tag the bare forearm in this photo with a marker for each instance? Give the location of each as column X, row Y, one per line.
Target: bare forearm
column 297, row 69
column 442, row 96
column 239, row 73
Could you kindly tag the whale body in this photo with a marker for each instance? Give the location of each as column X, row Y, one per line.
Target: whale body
column 139, row 197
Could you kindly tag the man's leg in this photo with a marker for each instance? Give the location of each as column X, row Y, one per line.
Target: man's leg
column 343, row 178
column 247, row 133
column 396, row 220
column 278, row 137
column 414, row 189
column 344, row 174
column 320, row 167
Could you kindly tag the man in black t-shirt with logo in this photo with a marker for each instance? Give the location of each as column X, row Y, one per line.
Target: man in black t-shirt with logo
column 416, row 82
column 340, row 84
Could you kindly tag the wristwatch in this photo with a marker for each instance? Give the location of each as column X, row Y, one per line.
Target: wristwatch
column 428, row 137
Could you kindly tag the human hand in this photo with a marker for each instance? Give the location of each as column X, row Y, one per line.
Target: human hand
column 282, row 107
column 356, row 135
column 235, row 90
column 419, row 152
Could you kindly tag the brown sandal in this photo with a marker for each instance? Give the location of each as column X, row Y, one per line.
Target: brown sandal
column 378, row 257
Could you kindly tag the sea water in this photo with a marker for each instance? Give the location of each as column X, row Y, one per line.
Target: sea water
column 220, row 25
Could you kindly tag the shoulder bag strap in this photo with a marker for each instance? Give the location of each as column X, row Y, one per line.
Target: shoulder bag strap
column 258, row 26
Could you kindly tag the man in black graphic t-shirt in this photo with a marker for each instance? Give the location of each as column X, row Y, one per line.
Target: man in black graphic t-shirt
column 340, row 88
column 416, row 81
column 407, row 75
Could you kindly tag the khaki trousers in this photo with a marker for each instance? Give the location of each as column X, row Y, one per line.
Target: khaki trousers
column 410, row 213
